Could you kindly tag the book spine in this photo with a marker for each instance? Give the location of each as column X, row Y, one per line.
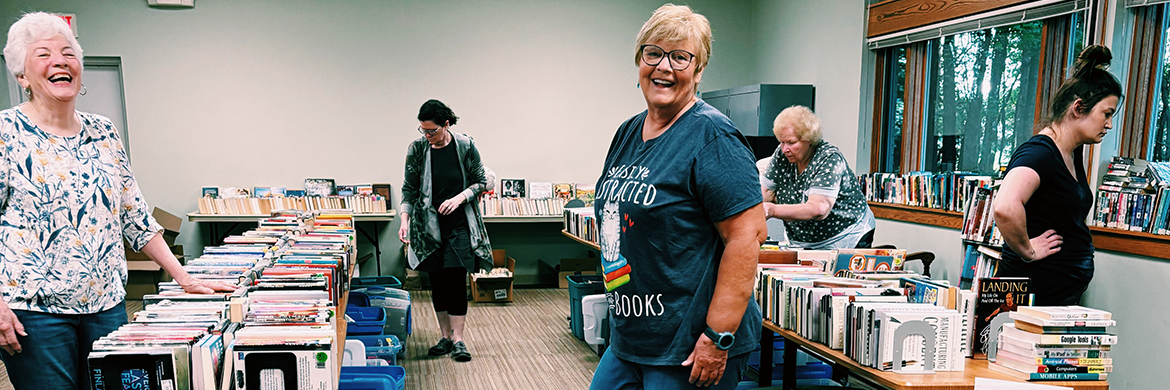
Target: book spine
column 1065, row 376
column 1072, row 362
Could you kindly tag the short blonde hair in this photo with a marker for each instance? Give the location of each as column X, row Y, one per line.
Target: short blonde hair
column 804, row 123
column 676, row 23
column 34, row 27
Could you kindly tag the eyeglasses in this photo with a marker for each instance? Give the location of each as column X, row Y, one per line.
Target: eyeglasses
column 429, row 132
column 679, row 59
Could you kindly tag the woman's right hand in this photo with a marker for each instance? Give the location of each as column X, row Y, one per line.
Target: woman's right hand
column 404, row 229
column 10, row 327
column 1043, row 246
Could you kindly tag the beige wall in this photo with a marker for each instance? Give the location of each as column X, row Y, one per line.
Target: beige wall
column 818, row 43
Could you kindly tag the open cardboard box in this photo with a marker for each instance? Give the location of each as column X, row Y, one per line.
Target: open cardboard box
column 495, row 289
column 575, row 267
column 143, row 277
column 170, row 224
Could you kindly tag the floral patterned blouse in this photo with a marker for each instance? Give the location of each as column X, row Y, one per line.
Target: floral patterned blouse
column 65, row 204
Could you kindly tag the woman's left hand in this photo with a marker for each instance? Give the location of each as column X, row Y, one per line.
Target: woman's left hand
column 195, row 285
column 450, row 205
column 707, row 363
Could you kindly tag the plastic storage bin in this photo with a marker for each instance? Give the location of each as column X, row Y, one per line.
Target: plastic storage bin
column 579, row 287
column 372, row 378
column 358, row 298
column 367, row 320
column 396, row 303
column 594, row 311
column 384, row 347
column 384, row 281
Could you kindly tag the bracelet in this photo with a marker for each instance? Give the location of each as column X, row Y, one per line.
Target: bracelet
column 766, row 213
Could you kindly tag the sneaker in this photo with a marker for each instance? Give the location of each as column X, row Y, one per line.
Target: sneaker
column 459, row 352
column 442, row 348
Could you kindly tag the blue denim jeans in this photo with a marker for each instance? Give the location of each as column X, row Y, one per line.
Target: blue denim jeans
column 617, row 374
column 55, row 350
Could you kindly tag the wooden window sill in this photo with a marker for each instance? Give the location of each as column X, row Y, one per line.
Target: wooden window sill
column 1107, row 239
column 920, row 215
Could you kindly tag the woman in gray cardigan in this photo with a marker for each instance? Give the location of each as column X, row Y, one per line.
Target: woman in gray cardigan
column 446, row 236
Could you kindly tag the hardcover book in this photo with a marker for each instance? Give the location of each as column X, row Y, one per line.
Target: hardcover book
column 997, row 295
column 211, row 192
column 540, row 190
column 563, row 191
column 512, row 188
column 319, row 187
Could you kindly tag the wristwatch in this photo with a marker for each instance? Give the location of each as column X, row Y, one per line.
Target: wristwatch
column 723, row 341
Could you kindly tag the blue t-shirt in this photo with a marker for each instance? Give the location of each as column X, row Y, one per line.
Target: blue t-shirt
column 657, row 203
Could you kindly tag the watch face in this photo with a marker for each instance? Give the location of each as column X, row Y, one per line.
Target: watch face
column 726, row 340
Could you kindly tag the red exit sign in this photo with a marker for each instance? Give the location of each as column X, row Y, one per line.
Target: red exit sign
column 71, row 19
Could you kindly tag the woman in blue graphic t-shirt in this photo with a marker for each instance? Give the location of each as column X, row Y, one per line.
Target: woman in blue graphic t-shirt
column 680, row 223
column 1042, row 204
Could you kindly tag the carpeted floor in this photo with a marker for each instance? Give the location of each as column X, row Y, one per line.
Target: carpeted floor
column 526, row 344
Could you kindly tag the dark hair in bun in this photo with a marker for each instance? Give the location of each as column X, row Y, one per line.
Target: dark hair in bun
column 1089, row 82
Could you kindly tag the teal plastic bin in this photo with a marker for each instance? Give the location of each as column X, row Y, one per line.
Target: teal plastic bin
column 580, row 286
column 372, row 378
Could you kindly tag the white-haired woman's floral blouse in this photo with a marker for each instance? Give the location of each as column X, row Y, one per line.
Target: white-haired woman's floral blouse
column 65, row 204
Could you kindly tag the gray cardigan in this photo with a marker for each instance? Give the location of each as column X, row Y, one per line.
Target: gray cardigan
column 424, row 218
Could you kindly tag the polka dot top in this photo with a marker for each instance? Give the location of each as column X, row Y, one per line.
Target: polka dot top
column 828, row 175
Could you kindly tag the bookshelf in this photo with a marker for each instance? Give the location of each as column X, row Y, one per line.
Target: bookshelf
column 1107, row 239
column 915, row 214
column 581, row 240
column 523, row 219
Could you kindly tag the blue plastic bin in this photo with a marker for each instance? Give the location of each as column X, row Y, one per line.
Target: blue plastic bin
column 384, row 281
column 580, row 286
column 367, row 320
column 358, row 298
column 373, row 378
column 385, row 347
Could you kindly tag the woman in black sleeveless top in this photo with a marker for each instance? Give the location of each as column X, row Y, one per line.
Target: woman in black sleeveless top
column 1045, row 197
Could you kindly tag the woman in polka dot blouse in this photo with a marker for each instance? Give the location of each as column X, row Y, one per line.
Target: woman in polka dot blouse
column 811, row 188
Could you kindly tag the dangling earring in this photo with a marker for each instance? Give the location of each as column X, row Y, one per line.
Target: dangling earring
column 28, row 93
column 639, row 85
column 82, row 93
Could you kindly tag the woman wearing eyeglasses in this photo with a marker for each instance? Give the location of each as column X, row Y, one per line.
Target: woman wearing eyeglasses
column 680, row 225
column 441, row 221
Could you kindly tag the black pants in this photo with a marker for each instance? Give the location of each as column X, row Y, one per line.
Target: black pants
column 449, row 290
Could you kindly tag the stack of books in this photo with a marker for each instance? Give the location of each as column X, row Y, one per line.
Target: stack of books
column 1125, row 198
column 1056, row 343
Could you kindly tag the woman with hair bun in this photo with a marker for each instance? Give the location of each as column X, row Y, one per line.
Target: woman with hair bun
column 441, row 221
column 1047, row 239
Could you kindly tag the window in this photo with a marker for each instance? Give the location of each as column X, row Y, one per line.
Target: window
column 965, row 101
column 891, row 145
column 985, row 101
column 1160, row 129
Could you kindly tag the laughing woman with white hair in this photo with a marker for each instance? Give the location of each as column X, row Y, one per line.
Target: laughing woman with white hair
column 67, row 198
